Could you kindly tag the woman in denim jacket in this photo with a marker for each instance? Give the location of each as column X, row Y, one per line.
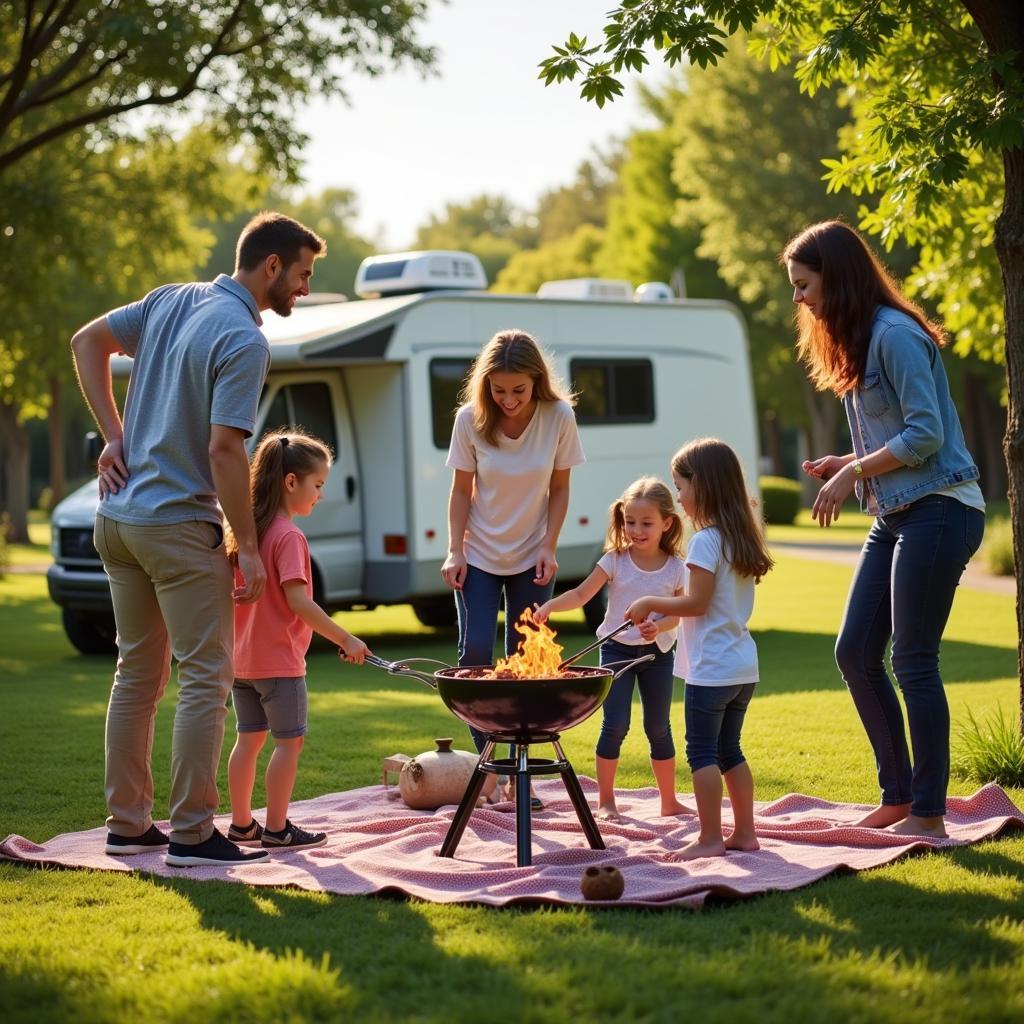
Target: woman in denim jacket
column 861, row 338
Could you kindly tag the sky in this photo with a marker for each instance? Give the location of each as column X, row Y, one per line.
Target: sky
column 407, row 146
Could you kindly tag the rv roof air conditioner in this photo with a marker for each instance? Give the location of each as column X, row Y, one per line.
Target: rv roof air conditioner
column 586, row 288
column 653, row 291
column 404, row 273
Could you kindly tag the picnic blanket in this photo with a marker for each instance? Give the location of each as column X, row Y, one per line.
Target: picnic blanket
column 378, row 845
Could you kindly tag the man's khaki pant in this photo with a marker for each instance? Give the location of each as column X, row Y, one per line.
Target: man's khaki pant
column 171, row 587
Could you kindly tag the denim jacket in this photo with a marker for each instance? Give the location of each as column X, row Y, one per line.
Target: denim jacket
column 903, row 403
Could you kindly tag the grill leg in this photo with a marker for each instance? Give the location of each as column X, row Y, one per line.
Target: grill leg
column 579, row 801
column 469, row 799
column 523, row 810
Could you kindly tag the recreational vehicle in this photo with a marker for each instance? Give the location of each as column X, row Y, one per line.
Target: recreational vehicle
column 379, row 379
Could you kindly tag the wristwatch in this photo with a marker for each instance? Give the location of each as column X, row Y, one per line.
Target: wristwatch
column 858, row 469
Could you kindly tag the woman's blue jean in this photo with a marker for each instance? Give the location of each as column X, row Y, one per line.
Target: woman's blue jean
column 714, row 721
column 903, row 588
column 654, row 680
column 478, row 602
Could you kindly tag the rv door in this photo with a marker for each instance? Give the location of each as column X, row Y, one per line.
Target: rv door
column 317, row 403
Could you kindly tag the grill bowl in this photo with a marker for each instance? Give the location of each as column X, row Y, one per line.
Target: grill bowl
column 524, row 707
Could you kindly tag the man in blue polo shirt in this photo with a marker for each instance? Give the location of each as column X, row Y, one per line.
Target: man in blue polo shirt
column 168, row 469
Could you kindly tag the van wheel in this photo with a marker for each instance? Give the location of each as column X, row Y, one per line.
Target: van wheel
column 89, row 634
column 594, row 609
column 436, row 612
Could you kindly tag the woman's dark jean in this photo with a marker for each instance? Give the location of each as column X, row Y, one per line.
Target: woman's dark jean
column 478, row 602
column 654, row 679
column 714, row 721
column 903, row 588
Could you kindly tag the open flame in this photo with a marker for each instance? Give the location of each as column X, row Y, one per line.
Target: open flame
column 538, row 656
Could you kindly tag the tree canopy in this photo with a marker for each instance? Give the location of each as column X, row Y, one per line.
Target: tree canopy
column 82, row 67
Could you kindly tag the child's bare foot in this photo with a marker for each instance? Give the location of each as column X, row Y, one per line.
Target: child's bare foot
column 913, row 825
column 883, row 816
column 697, row 849
column 742, row 841
column 608, row 812
column 675, row 807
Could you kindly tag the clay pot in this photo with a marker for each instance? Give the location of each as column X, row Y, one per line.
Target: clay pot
column 602, row 883
column 437, row 777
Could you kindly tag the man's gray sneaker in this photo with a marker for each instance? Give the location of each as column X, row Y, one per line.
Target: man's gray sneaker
column 151, row 841
column 216, row 850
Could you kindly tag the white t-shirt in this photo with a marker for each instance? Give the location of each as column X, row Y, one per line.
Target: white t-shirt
column 627, row 582
column 716, row 648
column 508, row 513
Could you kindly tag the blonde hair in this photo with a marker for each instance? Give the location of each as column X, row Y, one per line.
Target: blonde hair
column 511, row 351
column 280, row 452
column 720, row 499
column 650, row 489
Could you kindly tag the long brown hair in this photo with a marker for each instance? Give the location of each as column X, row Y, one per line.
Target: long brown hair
column 512, row 351
column 650, row 489
column 280, row 452
column 720, row 499
column 853, row 284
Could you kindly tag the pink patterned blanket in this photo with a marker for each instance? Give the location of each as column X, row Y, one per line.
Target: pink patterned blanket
column 378, row 845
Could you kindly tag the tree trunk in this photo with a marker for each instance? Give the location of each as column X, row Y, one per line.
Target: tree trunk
column 1001, row 23
column 1009, row 243
column 56, row 425
column 14, row 444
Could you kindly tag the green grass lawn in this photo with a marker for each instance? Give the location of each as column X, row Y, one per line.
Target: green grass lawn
column 933, row 936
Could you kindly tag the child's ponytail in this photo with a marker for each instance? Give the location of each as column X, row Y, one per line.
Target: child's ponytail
column 280, row 452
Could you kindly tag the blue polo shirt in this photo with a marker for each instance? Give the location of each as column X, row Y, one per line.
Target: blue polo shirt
column 199, row 359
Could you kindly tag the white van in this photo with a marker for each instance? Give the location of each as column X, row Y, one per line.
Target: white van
column 378, row 380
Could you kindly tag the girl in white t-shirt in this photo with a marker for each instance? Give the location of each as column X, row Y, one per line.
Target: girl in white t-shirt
column 716, row 654
column 513, row 445
column 641, row 556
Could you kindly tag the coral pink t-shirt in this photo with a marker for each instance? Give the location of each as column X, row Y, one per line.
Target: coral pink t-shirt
column 270, row 639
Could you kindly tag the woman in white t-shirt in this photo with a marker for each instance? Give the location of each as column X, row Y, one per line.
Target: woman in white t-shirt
column 641, row 556
column 513, row 445
column 716, row 654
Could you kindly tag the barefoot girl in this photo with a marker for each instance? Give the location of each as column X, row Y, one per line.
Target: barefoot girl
column 716, row 654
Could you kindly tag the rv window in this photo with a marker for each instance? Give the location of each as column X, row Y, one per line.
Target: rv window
column 613, row 390
column 277, row 414
column 313, row 410
column 446, row 379
column 305, row 405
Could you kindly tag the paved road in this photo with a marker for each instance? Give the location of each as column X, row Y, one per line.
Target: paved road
column 977, row 577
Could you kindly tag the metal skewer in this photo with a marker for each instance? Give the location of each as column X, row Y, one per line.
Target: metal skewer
column 590, row 647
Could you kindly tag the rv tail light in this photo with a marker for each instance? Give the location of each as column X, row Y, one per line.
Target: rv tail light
column 584, row 520
column 394, row 544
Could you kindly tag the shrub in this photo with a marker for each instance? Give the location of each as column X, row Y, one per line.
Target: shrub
column 997, row 548
column 5, row 555
column 781, row 499
column 990, row 751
